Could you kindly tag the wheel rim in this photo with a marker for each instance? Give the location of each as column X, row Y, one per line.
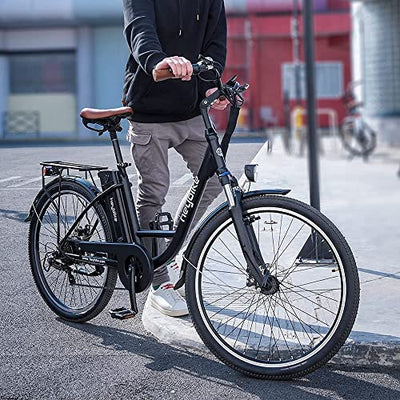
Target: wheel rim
column 81, row 296
column 279, row 330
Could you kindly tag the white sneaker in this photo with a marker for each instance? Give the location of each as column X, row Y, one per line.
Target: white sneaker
column 174, row 271
column 168, row 301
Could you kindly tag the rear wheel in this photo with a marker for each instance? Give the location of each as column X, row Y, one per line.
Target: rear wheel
column 305, row 317
column 74, row 290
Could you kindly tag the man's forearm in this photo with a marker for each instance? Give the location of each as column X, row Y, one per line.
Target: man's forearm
column 141, row 33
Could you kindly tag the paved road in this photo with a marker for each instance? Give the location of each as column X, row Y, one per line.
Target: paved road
column 44, row 357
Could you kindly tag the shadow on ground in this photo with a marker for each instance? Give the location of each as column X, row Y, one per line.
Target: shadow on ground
column 162, row 357
column 14, row 215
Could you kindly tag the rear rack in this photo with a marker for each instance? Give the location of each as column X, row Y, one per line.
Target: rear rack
column 57, row 168
column 71, row 165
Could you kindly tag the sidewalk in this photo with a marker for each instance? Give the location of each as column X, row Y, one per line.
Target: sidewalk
column 363, row 200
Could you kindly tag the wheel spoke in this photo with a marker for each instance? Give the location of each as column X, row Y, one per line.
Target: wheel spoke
column 230, row 251
column 317, row 292
column 226, row 305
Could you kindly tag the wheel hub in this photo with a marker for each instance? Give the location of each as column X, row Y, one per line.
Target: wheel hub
column 271, row 286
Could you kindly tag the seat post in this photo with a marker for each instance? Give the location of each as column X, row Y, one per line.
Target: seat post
column 126, row 190
column 117, row 149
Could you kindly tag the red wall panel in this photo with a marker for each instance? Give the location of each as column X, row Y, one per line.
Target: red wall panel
column 258, row 59
column 281, row 6
column 339, row 5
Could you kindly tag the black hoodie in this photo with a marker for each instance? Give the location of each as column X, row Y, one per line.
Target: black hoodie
column 156, row 29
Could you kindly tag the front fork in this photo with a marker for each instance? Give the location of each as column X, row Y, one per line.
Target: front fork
column 243, row 225
column 256, row 267
column 247, row 238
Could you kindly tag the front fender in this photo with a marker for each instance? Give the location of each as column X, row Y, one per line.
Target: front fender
column 181, row 281
column 55, row 182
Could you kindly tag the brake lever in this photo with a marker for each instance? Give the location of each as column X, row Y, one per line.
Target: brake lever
column 243, row 88
column 210, row 100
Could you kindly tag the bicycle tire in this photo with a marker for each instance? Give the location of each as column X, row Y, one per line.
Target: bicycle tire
column 361, row 144
column 212, row 315
column 92, row 292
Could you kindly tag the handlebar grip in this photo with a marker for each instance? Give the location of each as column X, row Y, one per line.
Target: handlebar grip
column 162, row 75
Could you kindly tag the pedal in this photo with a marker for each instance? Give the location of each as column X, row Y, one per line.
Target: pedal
column 163, row 219
column 122, row 313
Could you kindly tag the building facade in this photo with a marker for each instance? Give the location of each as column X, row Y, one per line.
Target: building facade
column 58, row 57
column 376, row 64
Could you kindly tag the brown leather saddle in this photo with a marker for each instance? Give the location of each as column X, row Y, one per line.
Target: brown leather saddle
column 108, row 119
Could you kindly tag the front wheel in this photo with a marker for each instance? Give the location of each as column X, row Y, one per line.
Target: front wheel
column 305, row 318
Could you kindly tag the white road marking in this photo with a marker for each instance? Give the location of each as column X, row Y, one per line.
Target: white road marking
column 19, row 188
column 183, row 179
column 26, row 182
column 9, row 179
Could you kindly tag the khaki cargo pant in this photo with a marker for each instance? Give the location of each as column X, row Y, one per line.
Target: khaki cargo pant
column 149, row 146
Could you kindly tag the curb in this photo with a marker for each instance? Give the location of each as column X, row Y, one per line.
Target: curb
column 180, row 332
column 364, row 354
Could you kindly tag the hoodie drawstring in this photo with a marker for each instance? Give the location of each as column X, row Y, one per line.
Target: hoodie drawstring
column 181, row 15
column 180, row 18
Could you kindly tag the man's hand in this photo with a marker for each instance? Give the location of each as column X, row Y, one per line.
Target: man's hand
column 218, row 104
column 180, row 67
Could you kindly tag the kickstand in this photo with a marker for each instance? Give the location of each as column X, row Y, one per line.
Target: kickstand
column 122, row 312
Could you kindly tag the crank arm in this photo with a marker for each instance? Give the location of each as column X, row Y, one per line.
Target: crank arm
column 132, row 290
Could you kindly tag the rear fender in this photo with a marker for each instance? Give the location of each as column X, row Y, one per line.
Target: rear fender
column 55, row 182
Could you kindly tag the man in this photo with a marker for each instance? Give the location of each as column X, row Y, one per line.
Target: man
column 169, row 34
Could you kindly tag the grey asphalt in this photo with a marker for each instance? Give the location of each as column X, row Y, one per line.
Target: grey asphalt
column 42, row 357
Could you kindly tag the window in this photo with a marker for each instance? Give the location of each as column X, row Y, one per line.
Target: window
column 43, row 73
column 329, row 80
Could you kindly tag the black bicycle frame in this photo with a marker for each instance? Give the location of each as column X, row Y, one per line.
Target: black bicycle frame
column 125, row 205
column 213, row 162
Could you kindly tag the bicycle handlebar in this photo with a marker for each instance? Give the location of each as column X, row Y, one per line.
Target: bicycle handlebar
column 165, row 74
column 231, row 90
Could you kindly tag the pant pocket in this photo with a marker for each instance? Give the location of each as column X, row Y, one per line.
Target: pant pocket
column 142, row 138
column 141, row 149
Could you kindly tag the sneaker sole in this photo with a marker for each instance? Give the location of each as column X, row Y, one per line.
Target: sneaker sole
column 170, row 313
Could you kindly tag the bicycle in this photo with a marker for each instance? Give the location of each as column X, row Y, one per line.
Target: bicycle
column 357, row 137
column 271, row 284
